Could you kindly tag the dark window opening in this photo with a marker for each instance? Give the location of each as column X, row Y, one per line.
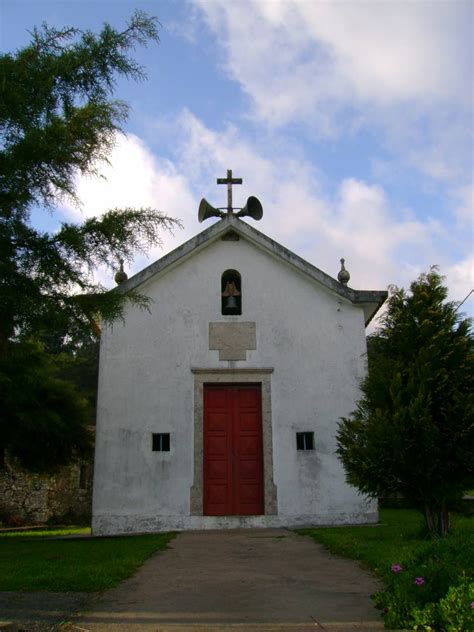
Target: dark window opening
column 161, row 442
column 231, row 293
column 305, row 440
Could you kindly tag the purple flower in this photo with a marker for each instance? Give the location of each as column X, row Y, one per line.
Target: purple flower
column 419, row 581
column 396, row 568
column 472, row 605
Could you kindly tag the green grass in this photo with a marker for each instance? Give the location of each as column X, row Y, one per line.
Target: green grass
column 32, row 562
column 47, row 531
column 399, row 535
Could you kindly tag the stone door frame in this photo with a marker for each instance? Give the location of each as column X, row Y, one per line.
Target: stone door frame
column 233, row 376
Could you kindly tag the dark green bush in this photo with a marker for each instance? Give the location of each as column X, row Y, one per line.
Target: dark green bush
column 432, row 590
column 456, row 610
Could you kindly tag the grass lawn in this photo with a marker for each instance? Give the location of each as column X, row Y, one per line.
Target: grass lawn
column 30, row 561
column 47, row 531
column 399, row 534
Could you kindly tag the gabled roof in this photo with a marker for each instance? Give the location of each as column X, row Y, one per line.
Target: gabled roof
column 370, row 300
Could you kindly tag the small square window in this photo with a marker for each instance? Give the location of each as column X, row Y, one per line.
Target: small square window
column 305, row 440
column 161, row 442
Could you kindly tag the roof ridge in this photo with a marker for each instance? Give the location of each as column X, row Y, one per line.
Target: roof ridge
column 230, row 222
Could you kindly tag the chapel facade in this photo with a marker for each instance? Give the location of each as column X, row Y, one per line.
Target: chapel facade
column 218, row 407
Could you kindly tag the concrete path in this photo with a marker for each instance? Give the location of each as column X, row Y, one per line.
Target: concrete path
column 239, row 581
column 32, row 611
column 215, row 581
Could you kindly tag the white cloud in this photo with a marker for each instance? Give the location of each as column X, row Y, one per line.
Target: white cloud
column 464, row 211
column 381, row 244
column 402, row 70
column 460, row 281
column 288, row 55
column 461, row 276
column 134, row 177
column 356, row 222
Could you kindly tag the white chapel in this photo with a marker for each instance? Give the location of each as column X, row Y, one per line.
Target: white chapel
column 218, row 407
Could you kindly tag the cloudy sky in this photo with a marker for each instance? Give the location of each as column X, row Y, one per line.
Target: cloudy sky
column 351, row 121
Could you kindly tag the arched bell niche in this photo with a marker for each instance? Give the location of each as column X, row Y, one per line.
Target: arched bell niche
column 231, row 293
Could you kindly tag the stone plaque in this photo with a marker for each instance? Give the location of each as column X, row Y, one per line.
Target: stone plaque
column 232, row 340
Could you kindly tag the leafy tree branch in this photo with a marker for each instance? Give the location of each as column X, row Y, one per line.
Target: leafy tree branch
column 59, row 119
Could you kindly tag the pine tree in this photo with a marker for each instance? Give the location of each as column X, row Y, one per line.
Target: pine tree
column 413, row 431
column 58, row 119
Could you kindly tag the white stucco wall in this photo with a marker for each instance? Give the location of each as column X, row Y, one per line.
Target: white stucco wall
column 313, row 339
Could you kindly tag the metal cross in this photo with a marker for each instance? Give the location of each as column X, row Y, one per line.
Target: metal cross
column 229, row 181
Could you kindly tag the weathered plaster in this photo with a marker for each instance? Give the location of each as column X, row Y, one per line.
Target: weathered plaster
column 312, row 336
column 230, row 227
column 142, row 523
column 232, row 376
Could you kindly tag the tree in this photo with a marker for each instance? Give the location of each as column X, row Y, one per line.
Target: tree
column 58, row 119
column 413, row 431
column 45, row 418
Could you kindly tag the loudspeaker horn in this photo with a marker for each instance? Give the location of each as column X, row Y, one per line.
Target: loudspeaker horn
column 253, row 208
column 206, row 211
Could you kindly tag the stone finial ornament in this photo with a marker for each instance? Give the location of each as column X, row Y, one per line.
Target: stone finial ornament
column 343, row 276
column 120, row 275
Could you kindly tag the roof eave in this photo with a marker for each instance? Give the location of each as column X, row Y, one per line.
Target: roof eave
column 197, row 242
column 370, row 300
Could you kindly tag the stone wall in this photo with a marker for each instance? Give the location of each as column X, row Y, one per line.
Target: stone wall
column 28, row 498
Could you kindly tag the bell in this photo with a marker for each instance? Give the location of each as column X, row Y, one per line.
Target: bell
column 230, row 303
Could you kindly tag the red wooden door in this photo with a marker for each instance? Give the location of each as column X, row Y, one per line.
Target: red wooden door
column 233, row 456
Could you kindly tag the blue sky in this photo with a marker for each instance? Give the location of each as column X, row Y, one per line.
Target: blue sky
column 351, row 121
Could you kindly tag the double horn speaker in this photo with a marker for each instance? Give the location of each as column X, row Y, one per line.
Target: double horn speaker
column 206, row 211
column 253, row 209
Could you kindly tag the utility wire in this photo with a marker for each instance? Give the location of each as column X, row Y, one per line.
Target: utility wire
column 462, row 302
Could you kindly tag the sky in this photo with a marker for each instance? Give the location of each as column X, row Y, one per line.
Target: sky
column 350, row 120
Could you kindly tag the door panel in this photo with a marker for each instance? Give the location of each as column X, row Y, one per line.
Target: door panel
column 233, row 457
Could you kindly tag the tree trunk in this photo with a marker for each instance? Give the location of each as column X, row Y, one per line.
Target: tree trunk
column 430, row 519
column 443, row 518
